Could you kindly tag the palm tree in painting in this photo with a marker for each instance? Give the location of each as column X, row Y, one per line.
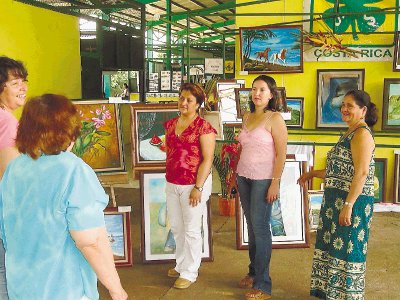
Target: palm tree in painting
column 250, row 35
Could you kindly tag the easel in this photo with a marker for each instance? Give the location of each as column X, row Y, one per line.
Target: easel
column 110, row 180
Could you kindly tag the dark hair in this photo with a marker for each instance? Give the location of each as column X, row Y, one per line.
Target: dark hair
column 273, row 102
column 363, row 99
column 126, row 85
column 48, row 125
column 196, row 90
column 10, row 66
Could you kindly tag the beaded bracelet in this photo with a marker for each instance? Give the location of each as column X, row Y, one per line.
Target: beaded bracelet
column 276, row 178
column 348, row 204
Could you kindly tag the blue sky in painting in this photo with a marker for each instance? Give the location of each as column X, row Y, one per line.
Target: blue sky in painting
column 296, row 105
column 284, row 39
column 157, row 189
column 395, row 89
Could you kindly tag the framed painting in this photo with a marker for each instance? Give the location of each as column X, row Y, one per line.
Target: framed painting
column 214, row 118
column 227, row 99
column 271, row 49
column 243, row 98
column 396, row 178
column 396, row 56
column 289, row 219
column 295, row 106
column 315, row 198
column 331, row 88
column 100, row 141
column 391, row 104
column 158, row 244
column 118, row 226
column 148, row 134
column 231, row 130
column 380, row 179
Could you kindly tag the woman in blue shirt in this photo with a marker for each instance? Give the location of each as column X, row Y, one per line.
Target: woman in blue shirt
column 51, row 211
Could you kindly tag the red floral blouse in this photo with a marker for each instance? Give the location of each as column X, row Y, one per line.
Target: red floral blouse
column 184, row 151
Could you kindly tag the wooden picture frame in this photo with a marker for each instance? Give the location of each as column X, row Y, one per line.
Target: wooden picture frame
column 396, row 189
column 380, row 180
column 118, row 227
column 231, row 130
column 157, row 244
column 295, row 106
column 333, row 84
column 391, row 104
column 100, row 141
column 227, row 99
column 146, row 122
column 292, row 205
column 396, row 54
column 243, row 98
column 271, row 49
column 315, row 198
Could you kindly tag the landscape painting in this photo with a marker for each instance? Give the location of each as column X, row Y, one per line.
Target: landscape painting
column 271, row 49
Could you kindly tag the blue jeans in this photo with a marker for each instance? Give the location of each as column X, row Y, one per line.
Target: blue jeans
column 258, row 215
column 3, row 282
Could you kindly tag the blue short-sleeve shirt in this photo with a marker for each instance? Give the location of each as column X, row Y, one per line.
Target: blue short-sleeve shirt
column 40, row 202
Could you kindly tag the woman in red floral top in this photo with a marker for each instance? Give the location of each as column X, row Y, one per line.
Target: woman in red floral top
column 190, row 142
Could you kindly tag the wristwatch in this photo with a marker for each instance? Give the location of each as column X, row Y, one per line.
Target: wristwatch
column 199, row 188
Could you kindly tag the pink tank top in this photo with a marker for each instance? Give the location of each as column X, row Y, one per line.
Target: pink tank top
column 257, row 158
column 8, row 129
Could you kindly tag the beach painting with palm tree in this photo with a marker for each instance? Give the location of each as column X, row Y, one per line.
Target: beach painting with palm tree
column 271, row 49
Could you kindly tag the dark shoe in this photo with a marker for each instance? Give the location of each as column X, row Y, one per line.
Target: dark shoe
column 173, row 273
column 182, row 283
column 255, row 294
column 246, row 282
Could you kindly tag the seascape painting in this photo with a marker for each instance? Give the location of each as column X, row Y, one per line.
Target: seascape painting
column 271, row 49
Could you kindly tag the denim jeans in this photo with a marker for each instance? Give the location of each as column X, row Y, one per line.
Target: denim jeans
column 3, row 282
column 258, row 215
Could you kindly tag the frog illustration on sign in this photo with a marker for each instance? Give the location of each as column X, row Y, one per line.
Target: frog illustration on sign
column 366, row 23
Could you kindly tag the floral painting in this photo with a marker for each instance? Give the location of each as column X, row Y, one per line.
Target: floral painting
column 99, row 143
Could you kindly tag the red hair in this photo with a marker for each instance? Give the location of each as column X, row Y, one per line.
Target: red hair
column 48, row 125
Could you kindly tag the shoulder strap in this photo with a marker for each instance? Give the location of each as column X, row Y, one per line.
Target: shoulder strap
column 351, row 134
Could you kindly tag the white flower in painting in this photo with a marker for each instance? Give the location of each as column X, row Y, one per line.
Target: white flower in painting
column 356, row 221
column 350, row 247
column 327, row 237
column 339, row 203
column 333, row 228
column 361, row 235
column 329, row 213
column 338, row 243
column 368, row 210
column 365, row 247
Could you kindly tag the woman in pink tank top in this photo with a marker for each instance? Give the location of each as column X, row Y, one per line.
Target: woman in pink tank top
column 263, row 141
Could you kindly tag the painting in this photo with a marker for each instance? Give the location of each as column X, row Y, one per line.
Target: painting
column 158, row 244
column 227, row 99
column 231, row 130
column 396, row 178
column 118, row 228
column 214, row 118
column 100, row 141
column 271, row 49
column 295, row 108
column 380, row 179
column 391, row 104
column 289, row 219
column 315, row 198
column 148, row 133
column 396, row 56
column 243, row 98
column 332, row 86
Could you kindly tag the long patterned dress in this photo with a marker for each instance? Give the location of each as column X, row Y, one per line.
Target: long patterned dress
column 338, row 270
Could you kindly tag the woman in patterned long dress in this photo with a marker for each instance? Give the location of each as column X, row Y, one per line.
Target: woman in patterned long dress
column 338, row 270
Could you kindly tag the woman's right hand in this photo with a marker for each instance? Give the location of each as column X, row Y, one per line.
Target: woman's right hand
column 118, row 295
column 304, row 178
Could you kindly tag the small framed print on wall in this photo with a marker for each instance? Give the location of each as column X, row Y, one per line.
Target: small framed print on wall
column 295, row 108
column 391, row 104
column 396, row 56
column 118, row 228
column 380, row 179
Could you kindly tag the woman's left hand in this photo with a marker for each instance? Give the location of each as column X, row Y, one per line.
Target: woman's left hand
column 345, row 215
column 273, row 191
column 194, row 197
